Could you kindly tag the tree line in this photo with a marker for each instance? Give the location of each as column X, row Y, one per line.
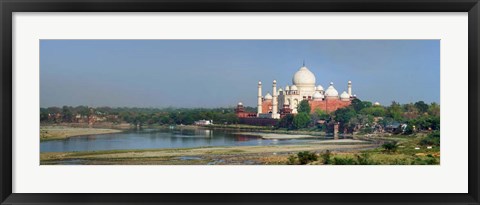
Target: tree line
column 140, row 116
column 365, row 117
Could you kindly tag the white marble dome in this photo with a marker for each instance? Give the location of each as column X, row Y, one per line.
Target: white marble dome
column 376, row 104
column 293, row 87
column 240, row 103
column 319, row 88
column 317, row 96
column 303, row 77
column 268, row 96
column 331, row 91
column 279, row 91
column 287, row 88
column 345, row 95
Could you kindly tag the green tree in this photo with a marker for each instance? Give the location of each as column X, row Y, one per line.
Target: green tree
column 301, row 120
column 376, row 111
column 43, row 115
column 434, row 109
column 421, row 106
column 67, row 114
column 343, row 115
column 286, row 122
column 359, row 105
column 409, row 129
column 320, row 114
column 304, row 106
column 395, row 111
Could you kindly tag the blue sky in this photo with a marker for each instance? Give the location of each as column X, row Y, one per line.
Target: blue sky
column 219, row 73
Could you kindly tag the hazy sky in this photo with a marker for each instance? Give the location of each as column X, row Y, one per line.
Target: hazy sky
column 214, row 73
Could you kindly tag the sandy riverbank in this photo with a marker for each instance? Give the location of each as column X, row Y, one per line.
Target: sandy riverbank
column 276, row 135
column 237, row 155
column 63, row 132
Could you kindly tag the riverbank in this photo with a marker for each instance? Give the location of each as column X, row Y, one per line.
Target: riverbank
column 276, row 136
column 237, row 155
column 364, row 151
column 63, row 132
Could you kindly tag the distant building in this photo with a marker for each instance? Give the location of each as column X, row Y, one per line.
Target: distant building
column 203, row 122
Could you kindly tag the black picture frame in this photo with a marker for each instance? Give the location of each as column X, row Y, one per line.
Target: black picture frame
column 7, row 7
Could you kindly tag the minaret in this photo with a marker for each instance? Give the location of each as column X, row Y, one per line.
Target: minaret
column 350, row 88
column 274, row 100
column 259, row 102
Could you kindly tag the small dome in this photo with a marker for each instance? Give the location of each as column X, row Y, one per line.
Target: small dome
column 274, row 81
column 303, row 77
column 279, row 91
column 268, row 96
column 317, row 95
column 259, row 82
column 344, row 95
column 331, row 91
column 287, row 88
column 376, row 104
column 293, row 87
column 240, row 103
column 319, row 88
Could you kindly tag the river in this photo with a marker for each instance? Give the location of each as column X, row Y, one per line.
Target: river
column 162, row 138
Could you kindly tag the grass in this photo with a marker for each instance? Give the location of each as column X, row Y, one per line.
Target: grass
column 404, row 154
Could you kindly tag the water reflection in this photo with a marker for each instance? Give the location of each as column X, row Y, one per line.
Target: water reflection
column 155, row 139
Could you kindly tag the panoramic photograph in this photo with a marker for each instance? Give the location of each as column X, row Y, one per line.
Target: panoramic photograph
column 239, row 102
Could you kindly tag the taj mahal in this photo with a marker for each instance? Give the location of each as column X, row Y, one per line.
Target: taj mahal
column 304, row 87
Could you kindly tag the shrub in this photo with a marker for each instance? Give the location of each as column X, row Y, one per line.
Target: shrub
column 425, row 161
column 292, row 160
column 306, row 157
column 364, row 159
column 432, row 139
column 326, row 157
column 390, row 146
column 408, row 130
column 344, row 161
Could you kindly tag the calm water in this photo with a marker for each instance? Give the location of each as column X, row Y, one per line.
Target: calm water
column 154, row 139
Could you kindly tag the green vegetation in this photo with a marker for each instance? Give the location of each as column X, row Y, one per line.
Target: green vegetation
column 301, row 120
column 360, row 117
column 138, row 116
column 390, row 146
column 432, row 139
column 326, row 157
column 363, row 117
column 302, row 158
column 420, row 149
column 304, row 107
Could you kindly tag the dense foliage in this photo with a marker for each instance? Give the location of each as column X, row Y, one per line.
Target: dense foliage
column 139, row 116
column 364, row 117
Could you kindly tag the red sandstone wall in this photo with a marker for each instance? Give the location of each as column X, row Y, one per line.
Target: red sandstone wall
column 328, row 105
column 246, row 114
column 266, row 106
column 258, row 121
